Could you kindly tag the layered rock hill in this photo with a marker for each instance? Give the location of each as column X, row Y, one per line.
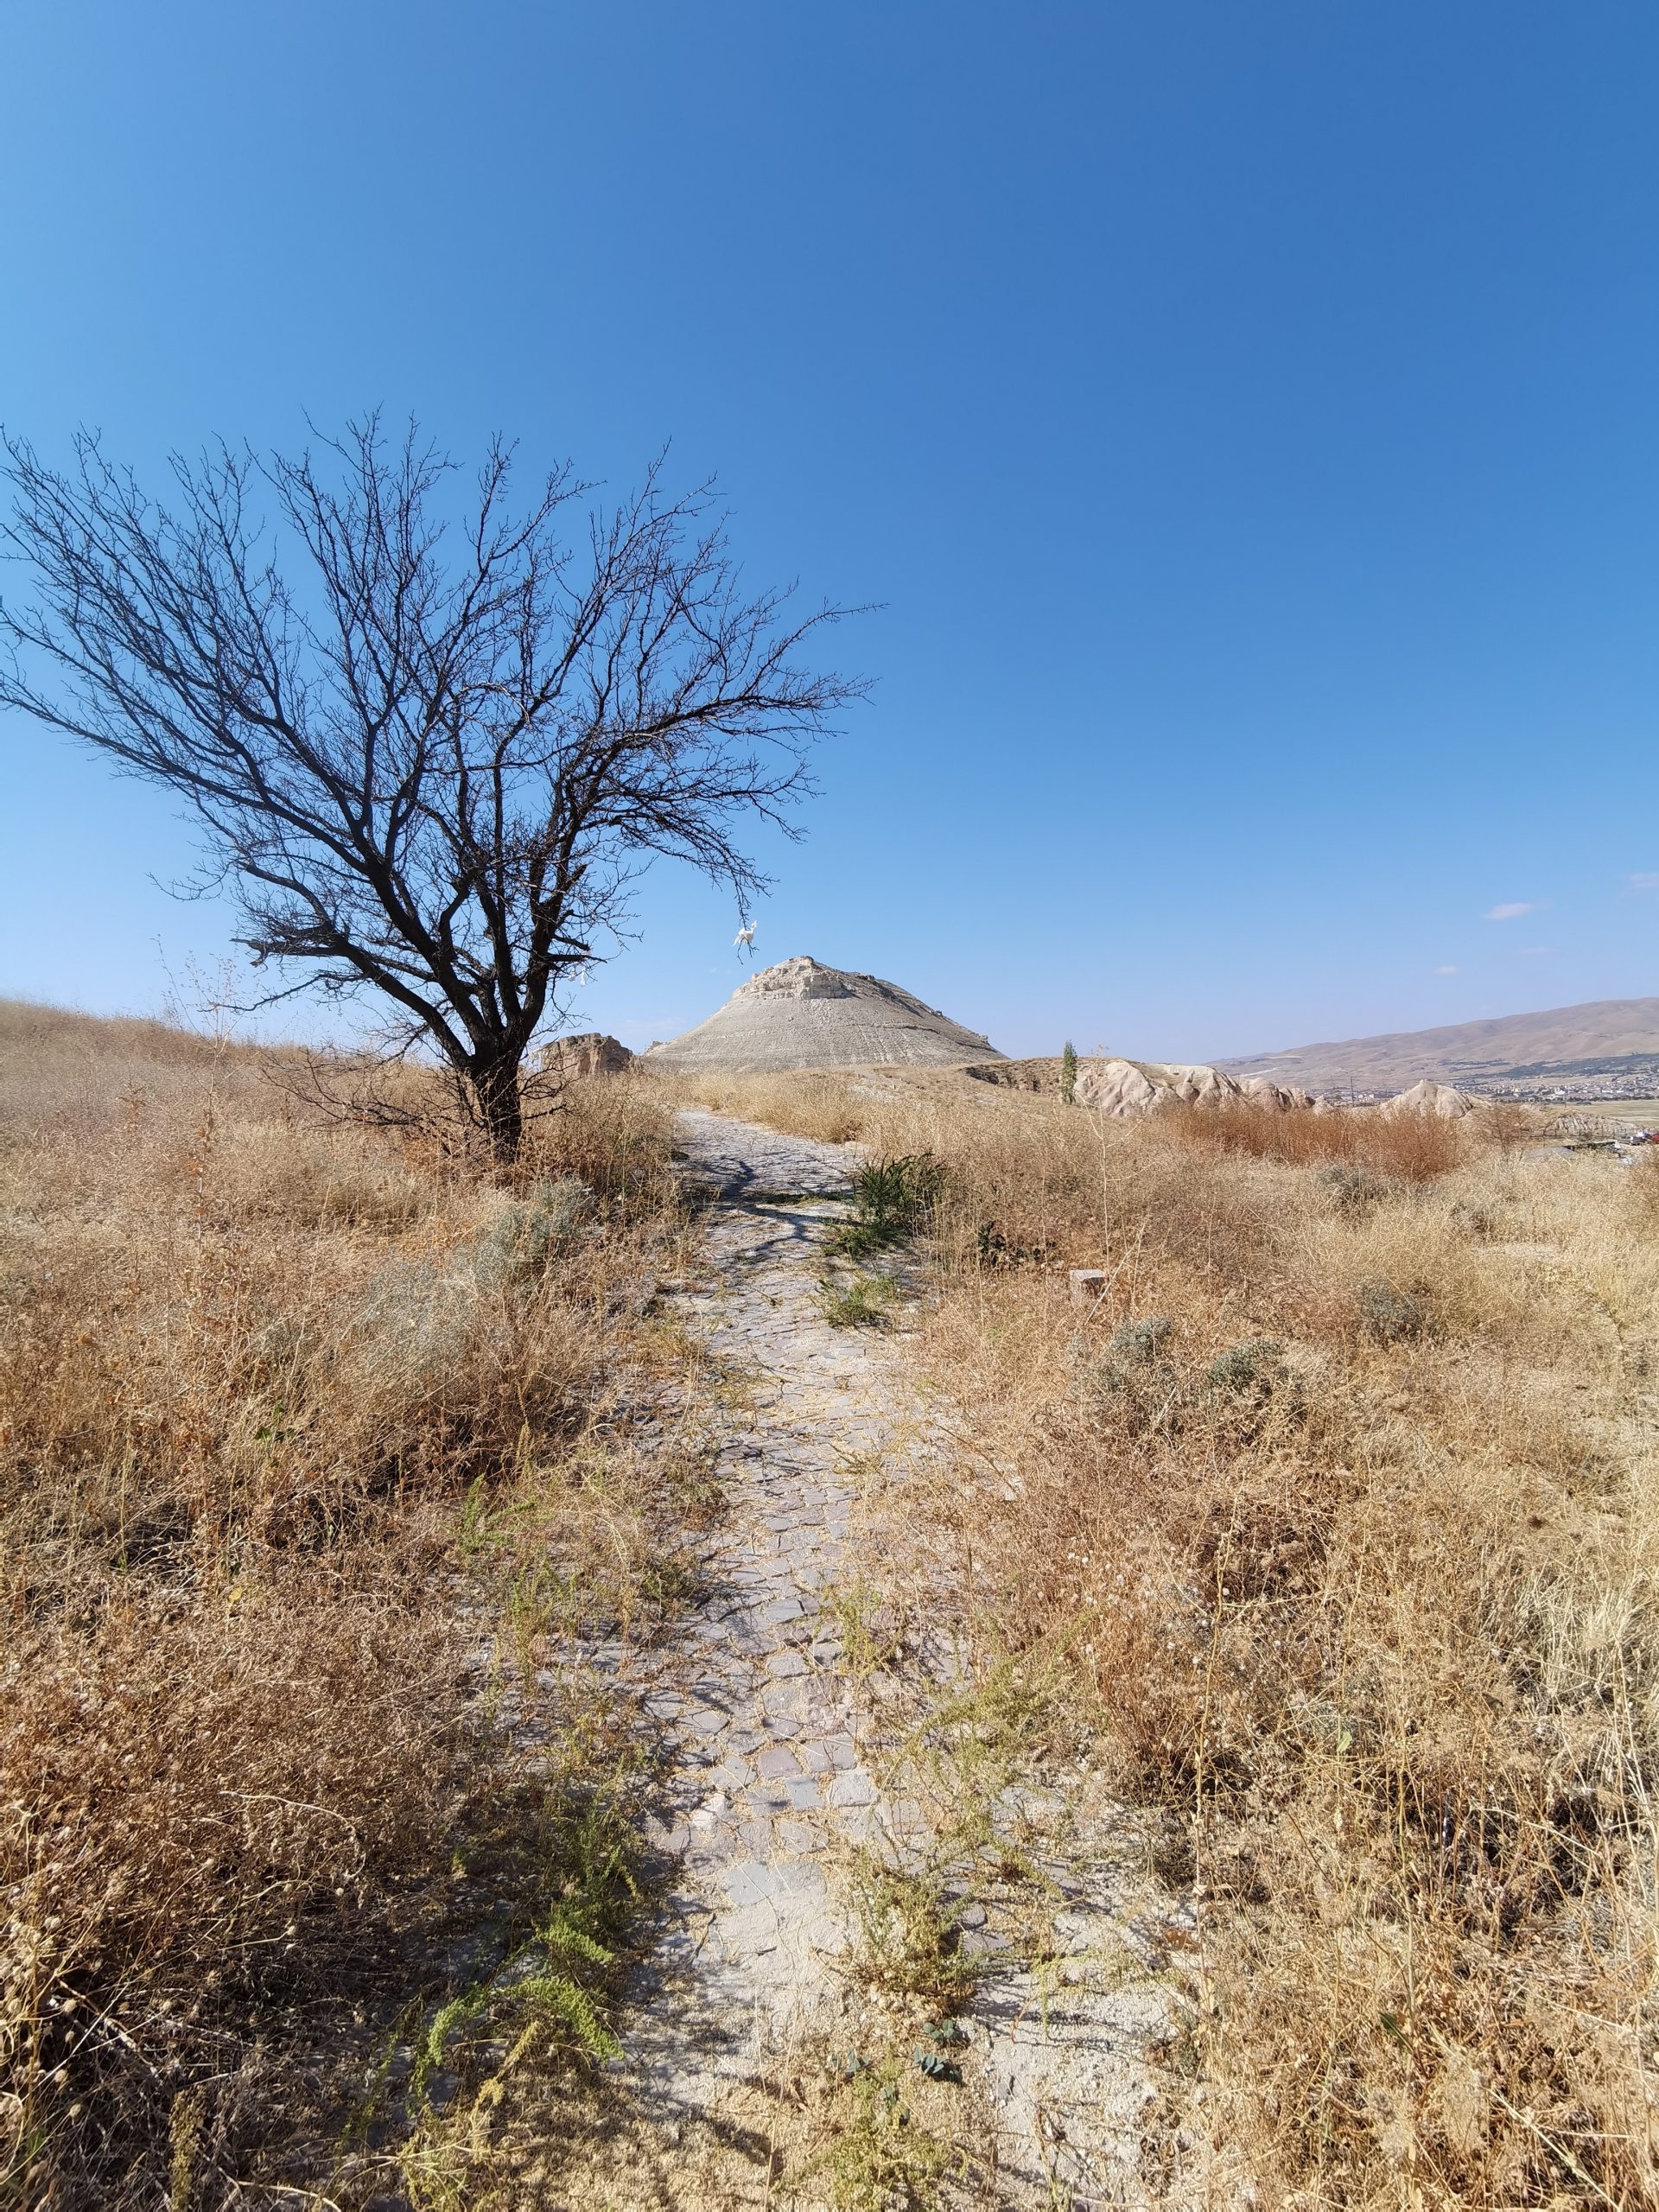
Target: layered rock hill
column 802, row 1014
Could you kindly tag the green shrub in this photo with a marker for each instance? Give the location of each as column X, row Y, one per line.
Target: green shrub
column 894, row 1198
column 1131, row 1381
column 863, row 1304
column 1254, row 1368
column 1137, row 1344
column 1388, row 1316
column 1068, row 1072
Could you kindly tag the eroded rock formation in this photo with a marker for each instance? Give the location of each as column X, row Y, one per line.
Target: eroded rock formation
column 1437, row 1099
column 590, row 1053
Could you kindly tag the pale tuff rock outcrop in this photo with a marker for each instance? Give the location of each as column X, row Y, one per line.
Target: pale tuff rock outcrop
column 1124, row 1089
column 588, row 1053
column 1436, row 1099
column 1118, row 1088
column 802, row 1014
column 1197, row 1086
column 1283, row 1098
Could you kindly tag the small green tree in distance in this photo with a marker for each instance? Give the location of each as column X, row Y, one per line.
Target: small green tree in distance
column 1068, row 1072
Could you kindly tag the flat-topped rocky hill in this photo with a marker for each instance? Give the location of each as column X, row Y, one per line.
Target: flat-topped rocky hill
column 802, row 1014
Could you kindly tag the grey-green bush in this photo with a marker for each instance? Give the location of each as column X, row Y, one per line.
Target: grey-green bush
column 1388, row 1316
column 1138, row 1343
column 1254, row 1368
column 527, row 1235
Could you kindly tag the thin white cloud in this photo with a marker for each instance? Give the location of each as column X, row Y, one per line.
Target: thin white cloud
column 1645, row 879
column 1513, row 910
column 1446, row 971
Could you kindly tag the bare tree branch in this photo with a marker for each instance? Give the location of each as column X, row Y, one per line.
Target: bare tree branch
column 430, row 759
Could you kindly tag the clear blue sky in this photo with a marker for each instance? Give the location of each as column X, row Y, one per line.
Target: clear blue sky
column 1246, row 415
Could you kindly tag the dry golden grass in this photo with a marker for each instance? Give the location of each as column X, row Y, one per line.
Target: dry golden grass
column 821, row 1107
column 278, row 1397
column 1351, row 1553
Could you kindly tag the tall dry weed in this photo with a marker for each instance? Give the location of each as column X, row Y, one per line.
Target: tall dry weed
column 1340, row 1506
column 1414, row 1146
column 264, row 1380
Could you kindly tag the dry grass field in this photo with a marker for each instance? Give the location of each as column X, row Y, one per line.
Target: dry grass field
column 310, row 1444
column 1340, row 1509
column 1336, row 1513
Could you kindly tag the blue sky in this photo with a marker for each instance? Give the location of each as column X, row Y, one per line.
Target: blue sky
column 1244, row 416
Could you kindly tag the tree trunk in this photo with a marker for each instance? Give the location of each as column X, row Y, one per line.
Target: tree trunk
column 500, row 1108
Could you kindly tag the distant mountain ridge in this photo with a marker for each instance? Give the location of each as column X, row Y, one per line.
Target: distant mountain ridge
column 1568, row 1039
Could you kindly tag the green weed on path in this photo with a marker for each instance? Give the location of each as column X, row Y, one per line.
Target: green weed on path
column 866, row 1302
column 894, row 1198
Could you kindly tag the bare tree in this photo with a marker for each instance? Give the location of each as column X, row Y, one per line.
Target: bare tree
column 430, row 756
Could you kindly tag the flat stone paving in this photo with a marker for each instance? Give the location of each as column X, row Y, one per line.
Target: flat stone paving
column 767, row 1786
column 769, row 1781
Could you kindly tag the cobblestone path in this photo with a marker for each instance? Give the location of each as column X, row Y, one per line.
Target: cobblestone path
column 768, row 1786
column 774, row 1766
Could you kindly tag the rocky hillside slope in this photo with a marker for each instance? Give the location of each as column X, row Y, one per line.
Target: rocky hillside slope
column 1568, row 1039
column 802, row 1014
